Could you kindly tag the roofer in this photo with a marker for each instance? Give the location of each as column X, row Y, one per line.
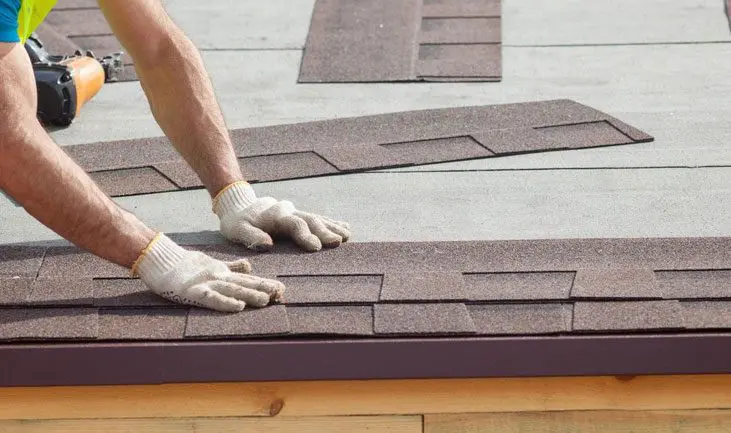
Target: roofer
column 57, row 192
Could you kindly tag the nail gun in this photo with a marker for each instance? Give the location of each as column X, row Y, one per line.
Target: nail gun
column 66, row 82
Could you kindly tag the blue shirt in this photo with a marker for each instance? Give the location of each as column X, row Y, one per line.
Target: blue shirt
column 9, row 10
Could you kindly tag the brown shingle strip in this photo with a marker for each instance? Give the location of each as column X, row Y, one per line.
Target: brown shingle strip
column 571, row 136
column 461, row 8
column 110, row 155
column 130, row 181
column 423, row 286
column 423, row 319
column 257, row 168
column 351, row 40
column 707, row 314
column 615, row 283
column 435, row 150
column 61, row 291
column 695, row 284
column 251, row 322
column 18, row 261
column 318, row 289
column 501, row 256
column 124, row 292
column 521, row 319
column 75, row 4
column 589, row 134
column 518, row 286
column 79, row 22
column 369, row 142
column 14, row 290
column 378, row 40
column 62, row 262
column 331, row 320
column 460, row 61
column 48, row 323
column 81, row 26
column 460, row 30
column 142, row 324
column 55, row 42
column 627, row 316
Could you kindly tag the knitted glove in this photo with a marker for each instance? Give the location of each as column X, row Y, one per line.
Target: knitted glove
column 193, row 278
column 251, row 221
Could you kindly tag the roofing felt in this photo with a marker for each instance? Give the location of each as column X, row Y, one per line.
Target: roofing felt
column 403, row 40
column 354, row 144
column 517, row 303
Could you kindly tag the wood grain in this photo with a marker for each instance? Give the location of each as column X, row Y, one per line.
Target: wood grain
column 369, row 397
column 358, row 424
column 694, row 421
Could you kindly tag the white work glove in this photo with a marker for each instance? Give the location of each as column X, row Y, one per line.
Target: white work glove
column 252, row 221
column 193, row 278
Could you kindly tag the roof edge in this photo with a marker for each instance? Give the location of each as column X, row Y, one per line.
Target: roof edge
column 285, row 360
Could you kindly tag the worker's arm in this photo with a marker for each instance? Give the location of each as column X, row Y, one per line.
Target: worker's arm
column 47, row 183
column 56, row 191
column 181, row 97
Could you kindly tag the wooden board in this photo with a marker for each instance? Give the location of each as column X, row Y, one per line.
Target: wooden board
column 696, row 421
column 357, row 424
column 369, row 397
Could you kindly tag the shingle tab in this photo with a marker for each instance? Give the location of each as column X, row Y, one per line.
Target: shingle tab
column 251, row 322
column 627, row 316
column 695, row 284
column 460, row 61
column 61, row 291
column 521, row 319
column 707, row 314
column 17, row 261
column 588, row 134
column 461, row 8
column 63, row 262
column 346, row 36
column 518, row 286
column 331, row 320
column 130, row 181
column 48, row 324
column 423, row 286
column 317, row 289
column 460, row 30
column 142, row 324
column 14, row 291
column 615, row 283
column 423, row 319
column 125, row 292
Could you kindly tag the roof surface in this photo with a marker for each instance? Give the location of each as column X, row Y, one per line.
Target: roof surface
column 456, row 292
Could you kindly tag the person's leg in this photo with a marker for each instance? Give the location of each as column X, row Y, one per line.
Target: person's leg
column 47, row 183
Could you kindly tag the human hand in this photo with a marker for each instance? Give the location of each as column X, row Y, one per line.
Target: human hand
column 193, row 278
column 252, row 221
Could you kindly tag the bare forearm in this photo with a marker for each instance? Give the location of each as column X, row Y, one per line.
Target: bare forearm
column 183, row 102
column 48, row 184
column 177, row 86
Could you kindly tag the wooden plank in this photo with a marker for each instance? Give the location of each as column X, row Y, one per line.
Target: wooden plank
column 354, row 424
column 694, row 421
column 369, row 397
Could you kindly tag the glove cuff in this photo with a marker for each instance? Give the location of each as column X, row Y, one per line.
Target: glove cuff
column 234, row 197
column 160, row 256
